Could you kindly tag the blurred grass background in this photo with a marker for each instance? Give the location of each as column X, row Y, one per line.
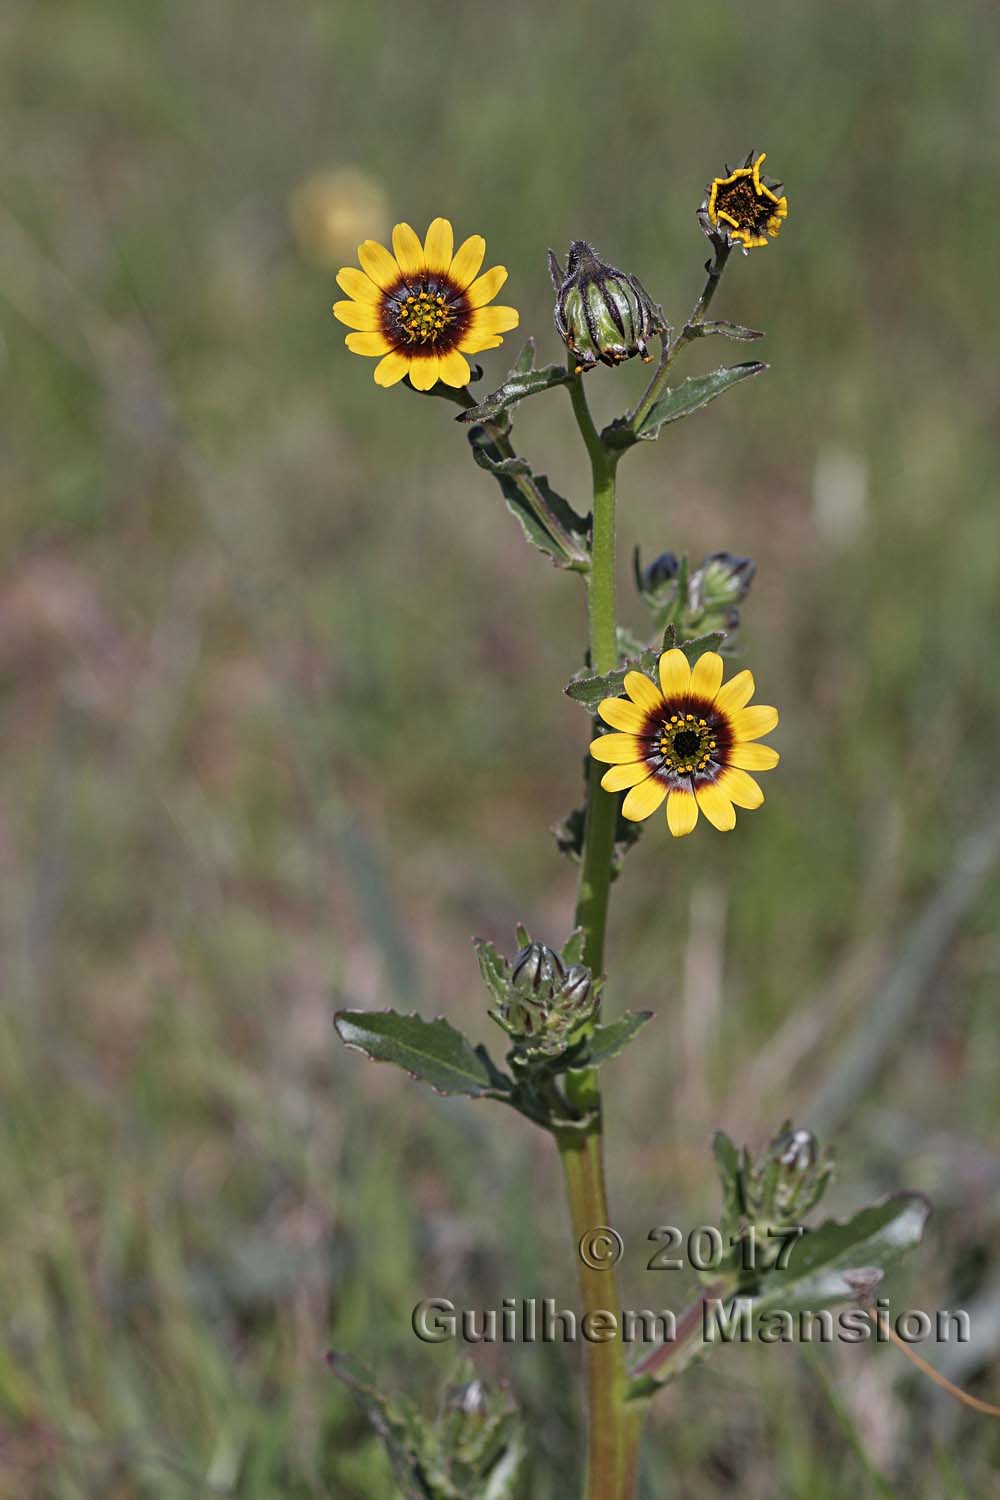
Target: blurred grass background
column 283, row 725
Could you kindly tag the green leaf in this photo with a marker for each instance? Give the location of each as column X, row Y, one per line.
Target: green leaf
column 432, row 1051
column 607, row 1041
column 821, row 1262
column 729, row 330
column 548, row 521
column 569, row 837
column 521, row 382
column 494, row 969
column 692, row 649
column 590, row 691
column 680, row 401
column 727, row 1159
column 840, row 1262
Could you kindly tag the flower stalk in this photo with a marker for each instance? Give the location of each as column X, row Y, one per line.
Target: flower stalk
column 612, row 1425
column 671, row 347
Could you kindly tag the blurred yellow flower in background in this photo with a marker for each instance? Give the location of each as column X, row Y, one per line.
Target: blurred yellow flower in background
column 331, row 211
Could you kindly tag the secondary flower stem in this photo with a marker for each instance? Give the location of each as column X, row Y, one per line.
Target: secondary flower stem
column 672, row 347
column 612, row 1425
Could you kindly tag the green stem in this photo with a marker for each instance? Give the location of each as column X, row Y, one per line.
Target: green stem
column 672, row 347
column 612, row 1424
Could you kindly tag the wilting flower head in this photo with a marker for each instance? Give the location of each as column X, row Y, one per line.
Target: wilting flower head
column 743, row 208
column 423, row 308
column 690, row 740
column 601, row 313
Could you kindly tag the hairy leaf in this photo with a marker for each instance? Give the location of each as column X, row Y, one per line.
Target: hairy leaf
column 432, row 1051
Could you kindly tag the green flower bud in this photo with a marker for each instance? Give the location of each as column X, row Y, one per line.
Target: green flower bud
column 575, row 992
column 543, row 1004
column 537, row 972
column 788, row 1178
column 601, row 313
column 723, row 580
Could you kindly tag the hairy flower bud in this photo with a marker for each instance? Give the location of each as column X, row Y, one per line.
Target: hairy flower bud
column 543, row 1000
column 601, row 313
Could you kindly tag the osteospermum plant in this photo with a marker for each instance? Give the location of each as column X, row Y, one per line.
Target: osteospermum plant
column 668, row 730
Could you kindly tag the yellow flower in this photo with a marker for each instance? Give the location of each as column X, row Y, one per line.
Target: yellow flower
column 744, row 208
column 690, row 740
column 330, row 211
column 423, row 308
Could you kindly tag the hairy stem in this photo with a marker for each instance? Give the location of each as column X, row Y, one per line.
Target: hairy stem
column 612, row 1425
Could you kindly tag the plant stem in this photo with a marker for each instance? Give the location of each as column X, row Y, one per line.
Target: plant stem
column 612, row 1425
column 672, row 347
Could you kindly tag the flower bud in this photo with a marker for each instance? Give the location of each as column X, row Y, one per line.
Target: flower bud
column 661, row 571
column 575, row 991
column 723, row 580
column 537, row 972
column 788, row 1178
column 601, row 313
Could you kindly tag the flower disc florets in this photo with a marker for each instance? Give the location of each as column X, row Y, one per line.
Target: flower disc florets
column 601, row 313
column 689, row 741
column 423, row 308
column 743, row 208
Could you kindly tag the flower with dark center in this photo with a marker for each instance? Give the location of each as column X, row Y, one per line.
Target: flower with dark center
column 423, row 308
column 743, row 208
column 690, row 740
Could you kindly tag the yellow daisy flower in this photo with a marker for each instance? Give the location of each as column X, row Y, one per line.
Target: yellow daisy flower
column 744, row 208
column 423, row 308
column 691, row 740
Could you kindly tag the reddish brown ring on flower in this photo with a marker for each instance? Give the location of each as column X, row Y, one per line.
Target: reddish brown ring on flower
column 423, row 308
column 690, row 741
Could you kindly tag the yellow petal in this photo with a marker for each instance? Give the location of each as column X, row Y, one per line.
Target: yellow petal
column 617, row 778
column 737, row 692
column 391, row 369
column 642, row 691
column 643, row 799
column 716, row 806
column 408, row 250
column 486, row 287
column 741, row 788
column 675, row 674
column 682, row 813
column 706, row 675
column 622, row 715
column 358, row 315
column 475, row 343
column 494, row 320
column 424, row 372
column 379, row 264
column 455, row 369
column 367, row 343
column 751, row 723
column 467, row 260
column 752, row 757
column 357, row 285
column 438, row 245
column 616, row 749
